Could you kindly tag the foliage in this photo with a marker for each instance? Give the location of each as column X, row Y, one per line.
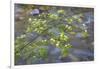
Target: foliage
column 56, row 27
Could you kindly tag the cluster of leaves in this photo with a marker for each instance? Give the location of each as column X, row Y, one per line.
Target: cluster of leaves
column 56, row 26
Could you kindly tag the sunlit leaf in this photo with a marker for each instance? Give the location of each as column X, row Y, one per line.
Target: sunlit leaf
column 61, row 11
column 69, row 20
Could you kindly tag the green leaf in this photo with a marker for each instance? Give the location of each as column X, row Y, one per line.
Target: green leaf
column 53, row 16
column 85, row 34
column 43, row 52
column 64, row 52
column 61, row 11
column 79, row 20
column 68, row 46
column 52, row 40
column 63, row 37
column 69, row 20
